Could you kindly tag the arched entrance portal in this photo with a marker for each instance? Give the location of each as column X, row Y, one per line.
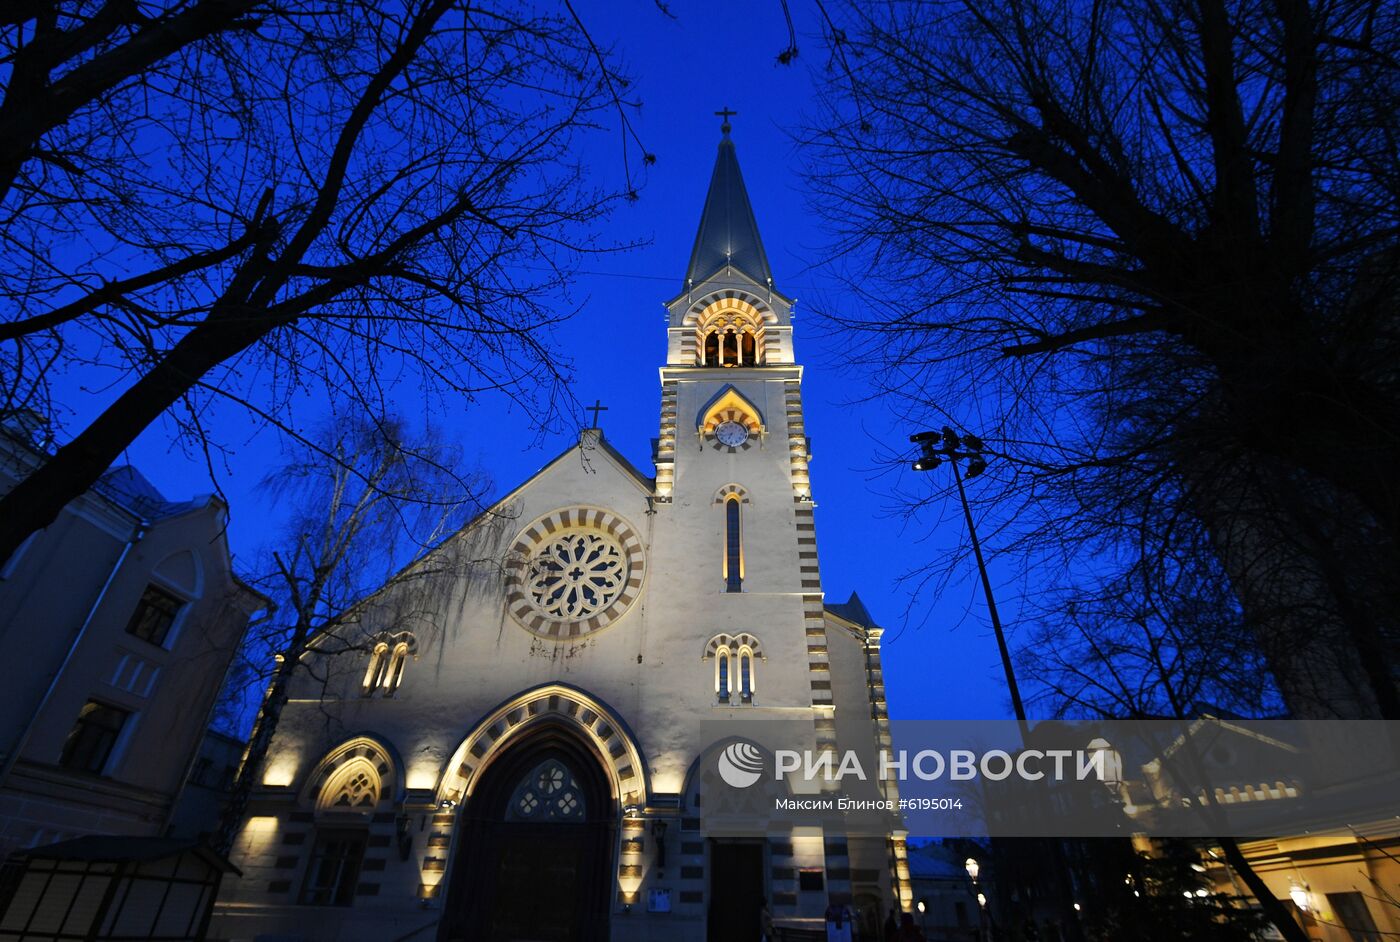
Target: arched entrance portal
column 534, row 847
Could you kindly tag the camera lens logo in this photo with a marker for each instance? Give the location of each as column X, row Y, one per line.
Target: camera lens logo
column 740, row 764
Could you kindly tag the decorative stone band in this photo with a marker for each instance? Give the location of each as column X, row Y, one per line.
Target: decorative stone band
column 666, row 444
column 734, row 643
column 797, row 442
column 719, row 417
column 604, row 732
column 623, row 588
column 731, row 490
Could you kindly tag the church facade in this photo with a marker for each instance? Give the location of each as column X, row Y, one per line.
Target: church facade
column 516, row 747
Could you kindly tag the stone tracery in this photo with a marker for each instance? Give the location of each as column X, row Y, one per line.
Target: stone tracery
column 574, row 571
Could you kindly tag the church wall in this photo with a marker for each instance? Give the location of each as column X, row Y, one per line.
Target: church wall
column 859, row 715
column 646, row 679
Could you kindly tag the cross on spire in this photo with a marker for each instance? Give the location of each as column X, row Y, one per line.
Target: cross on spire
column 596, row 408
column 726, row 114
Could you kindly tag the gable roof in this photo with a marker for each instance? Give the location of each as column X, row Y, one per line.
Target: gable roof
column 853, row 610
column 589, row 437
column 728, row 233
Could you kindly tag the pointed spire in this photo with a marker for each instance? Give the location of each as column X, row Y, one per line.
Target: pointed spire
column 728, row 233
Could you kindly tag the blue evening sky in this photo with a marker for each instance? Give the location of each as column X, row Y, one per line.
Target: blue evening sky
column 940, row 658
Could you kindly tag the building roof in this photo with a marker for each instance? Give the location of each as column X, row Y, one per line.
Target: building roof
column 27, row 437
column 728, row 233
column 130, row 488
column 935, row 862
column 853, row 610
column 113, row 848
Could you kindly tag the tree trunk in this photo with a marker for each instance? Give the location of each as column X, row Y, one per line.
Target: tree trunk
column 250, row 769
column 36, row 501
column 1274, row 910
column 1316, row 637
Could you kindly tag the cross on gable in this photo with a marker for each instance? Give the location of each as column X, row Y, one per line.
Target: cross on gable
column 596, row 408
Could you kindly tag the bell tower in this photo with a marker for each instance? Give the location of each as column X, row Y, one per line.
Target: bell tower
column 730, row 367
column 735, row 543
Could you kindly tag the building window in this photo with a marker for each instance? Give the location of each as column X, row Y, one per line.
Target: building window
column 378, row 669
column 711, row 349
column 396, row 664
column 154, row 615
column 733, row 548
column 386, row 664
column 748, row 347
column 736, row 660
column 549, row 793
column 334, row 867
column 91, row 740
column 356, row 792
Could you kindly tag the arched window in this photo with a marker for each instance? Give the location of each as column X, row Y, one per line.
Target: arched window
column 378, row 669
column 736, row 660
column 549, row 793
column 355, row 786
column 387, row 661
column 733, row 547
column 731, row 349
column 749, row 349
column 711, row 357
column 394, row 676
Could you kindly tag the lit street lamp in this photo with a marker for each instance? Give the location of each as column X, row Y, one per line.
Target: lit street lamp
column 972, row 867
column 934, row 449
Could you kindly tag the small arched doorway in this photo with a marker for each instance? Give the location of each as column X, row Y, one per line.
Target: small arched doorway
column 534, row 848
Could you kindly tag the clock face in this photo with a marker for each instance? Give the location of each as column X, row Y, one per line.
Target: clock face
column 731, row 433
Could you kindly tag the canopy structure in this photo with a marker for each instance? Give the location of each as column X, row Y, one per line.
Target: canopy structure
column 110, row 889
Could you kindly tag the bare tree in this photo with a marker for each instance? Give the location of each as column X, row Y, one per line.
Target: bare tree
column 267, row 202
column 369, row 508
column 1141, row 648
column 1152, row 244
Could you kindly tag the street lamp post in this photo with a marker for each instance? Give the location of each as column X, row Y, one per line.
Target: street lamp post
column 947, row 445
column 973, row 868
column 934, row 449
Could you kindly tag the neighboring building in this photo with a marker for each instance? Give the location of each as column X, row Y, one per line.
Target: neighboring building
column 945, row 898
column 1342, row 883
column 209, row 784
column 515, row 749
column 121, row 618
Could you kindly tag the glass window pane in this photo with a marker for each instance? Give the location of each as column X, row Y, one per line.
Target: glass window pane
column 90, row 741
column 733, row 547
column 154, row 615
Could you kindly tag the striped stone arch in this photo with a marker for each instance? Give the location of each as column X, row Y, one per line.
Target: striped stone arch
column 731, row 490
column 599, row 726
column 734, row 643
column 728, row 303
column 360, row 748
column 729, row 405
column 543, row 533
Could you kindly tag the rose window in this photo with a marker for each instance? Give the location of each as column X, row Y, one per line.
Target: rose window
column 574, row 571
column 577, row 575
